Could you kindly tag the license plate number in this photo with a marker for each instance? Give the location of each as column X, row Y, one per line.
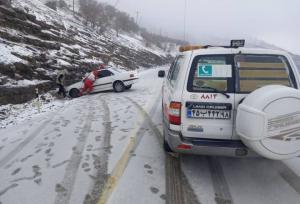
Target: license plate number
column 209, row 114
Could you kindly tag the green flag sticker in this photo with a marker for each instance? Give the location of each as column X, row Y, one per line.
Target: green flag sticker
column 214, row 70
column 205, row 70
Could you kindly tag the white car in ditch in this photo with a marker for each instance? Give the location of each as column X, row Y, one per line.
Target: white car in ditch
column 108, row 79
column 232, row 101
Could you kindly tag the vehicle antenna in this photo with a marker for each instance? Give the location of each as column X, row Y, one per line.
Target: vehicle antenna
column 184, row 21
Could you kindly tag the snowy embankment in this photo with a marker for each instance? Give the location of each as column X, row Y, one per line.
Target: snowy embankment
column 14, row 114
column 36, row 42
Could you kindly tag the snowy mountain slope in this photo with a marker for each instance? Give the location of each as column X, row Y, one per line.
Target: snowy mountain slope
column 36, row 42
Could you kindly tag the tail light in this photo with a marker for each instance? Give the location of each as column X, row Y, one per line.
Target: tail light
column 175, row 113
column 131, row 75
column 184, row 146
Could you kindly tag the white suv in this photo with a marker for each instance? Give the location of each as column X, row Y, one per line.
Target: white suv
column 213, row 102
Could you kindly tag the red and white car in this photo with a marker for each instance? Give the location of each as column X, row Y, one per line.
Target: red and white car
column 108, row 79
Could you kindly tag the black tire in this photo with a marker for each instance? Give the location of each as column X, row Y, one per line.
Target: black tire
column 74, row 93
column 129, row 86
column 166, row 146
column 119, row 86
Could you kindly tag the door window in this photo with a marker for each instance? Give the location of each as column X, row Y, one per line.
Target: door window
column 171, row 69
column 255, row 71
column 104, row 73
column 175, row 70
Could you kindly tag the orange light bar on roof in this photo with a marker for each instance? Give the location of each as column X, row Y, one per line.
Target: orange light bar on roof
column 190, row 47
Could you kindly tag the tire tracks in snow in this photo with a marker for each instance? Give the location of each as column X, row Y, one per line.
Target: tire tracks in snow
column 220, row 185
column 174, row 187
column 2, row 192
column 102, row 159
column 290, row 177
column 23, row 144
column 148, row 120
column 122, row 163
column 65, row 188
column 178, row 189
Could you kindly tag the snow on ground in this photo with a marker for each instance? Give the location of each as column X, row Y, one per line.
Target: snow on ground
column 135, row 42
column 44, row 13
column 146, row 170
column 294, row 164
column 6, row 56
column 14, row 114
column 64, row 156
column 57, row 151
column 145, row 100
column 55, row 139
column 37, row 8
column 146, row 166
column 24, row 82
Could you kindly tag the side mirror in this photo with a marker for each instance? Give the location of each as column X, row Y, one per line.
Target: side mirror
column 161, row 73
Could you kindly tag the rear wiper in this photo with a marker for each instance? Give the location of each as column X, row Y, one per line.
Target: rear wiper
column 216, row 90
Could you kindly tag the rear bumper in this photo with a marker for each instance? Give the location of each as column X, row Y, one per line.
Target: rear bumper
column 203, row 146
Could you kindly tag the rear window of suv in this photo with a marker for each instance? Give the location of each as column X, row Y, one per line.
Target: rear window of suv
column 211, row 73
column 255, row 71
column 242, row 73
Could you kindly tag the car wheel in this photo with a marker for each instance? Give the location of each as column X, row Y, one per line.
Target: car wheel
column 129, row 86
column 74, row 93
column 119, row 86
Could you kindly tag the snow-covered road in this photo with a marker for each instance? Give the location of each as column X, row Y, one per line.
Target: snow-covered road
column 106, row 148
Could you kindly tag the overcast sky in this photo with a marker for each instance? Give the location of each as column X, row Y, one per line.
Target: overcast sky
column 275, row 21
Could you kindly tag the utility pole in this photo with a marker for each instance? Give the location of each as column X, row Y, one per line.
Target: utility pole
column 73, row 7
column 117, row 1
column 137, row 17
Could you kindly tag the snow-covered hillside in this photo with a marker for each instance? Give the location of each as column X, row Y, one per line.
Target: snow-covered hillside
column 37, row 41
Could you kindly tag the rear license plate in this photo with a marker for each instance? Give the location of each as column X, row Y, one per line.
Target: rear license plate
column 209, row 114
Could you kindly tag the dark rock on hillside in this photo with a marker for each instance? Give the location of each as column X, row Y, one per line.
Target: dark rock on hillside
column 51, row 47
column 5, row 2
column 15, row 95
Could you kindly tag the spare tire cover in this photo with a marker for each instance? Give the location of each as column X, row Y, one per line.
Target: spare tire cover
column 268, row 122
